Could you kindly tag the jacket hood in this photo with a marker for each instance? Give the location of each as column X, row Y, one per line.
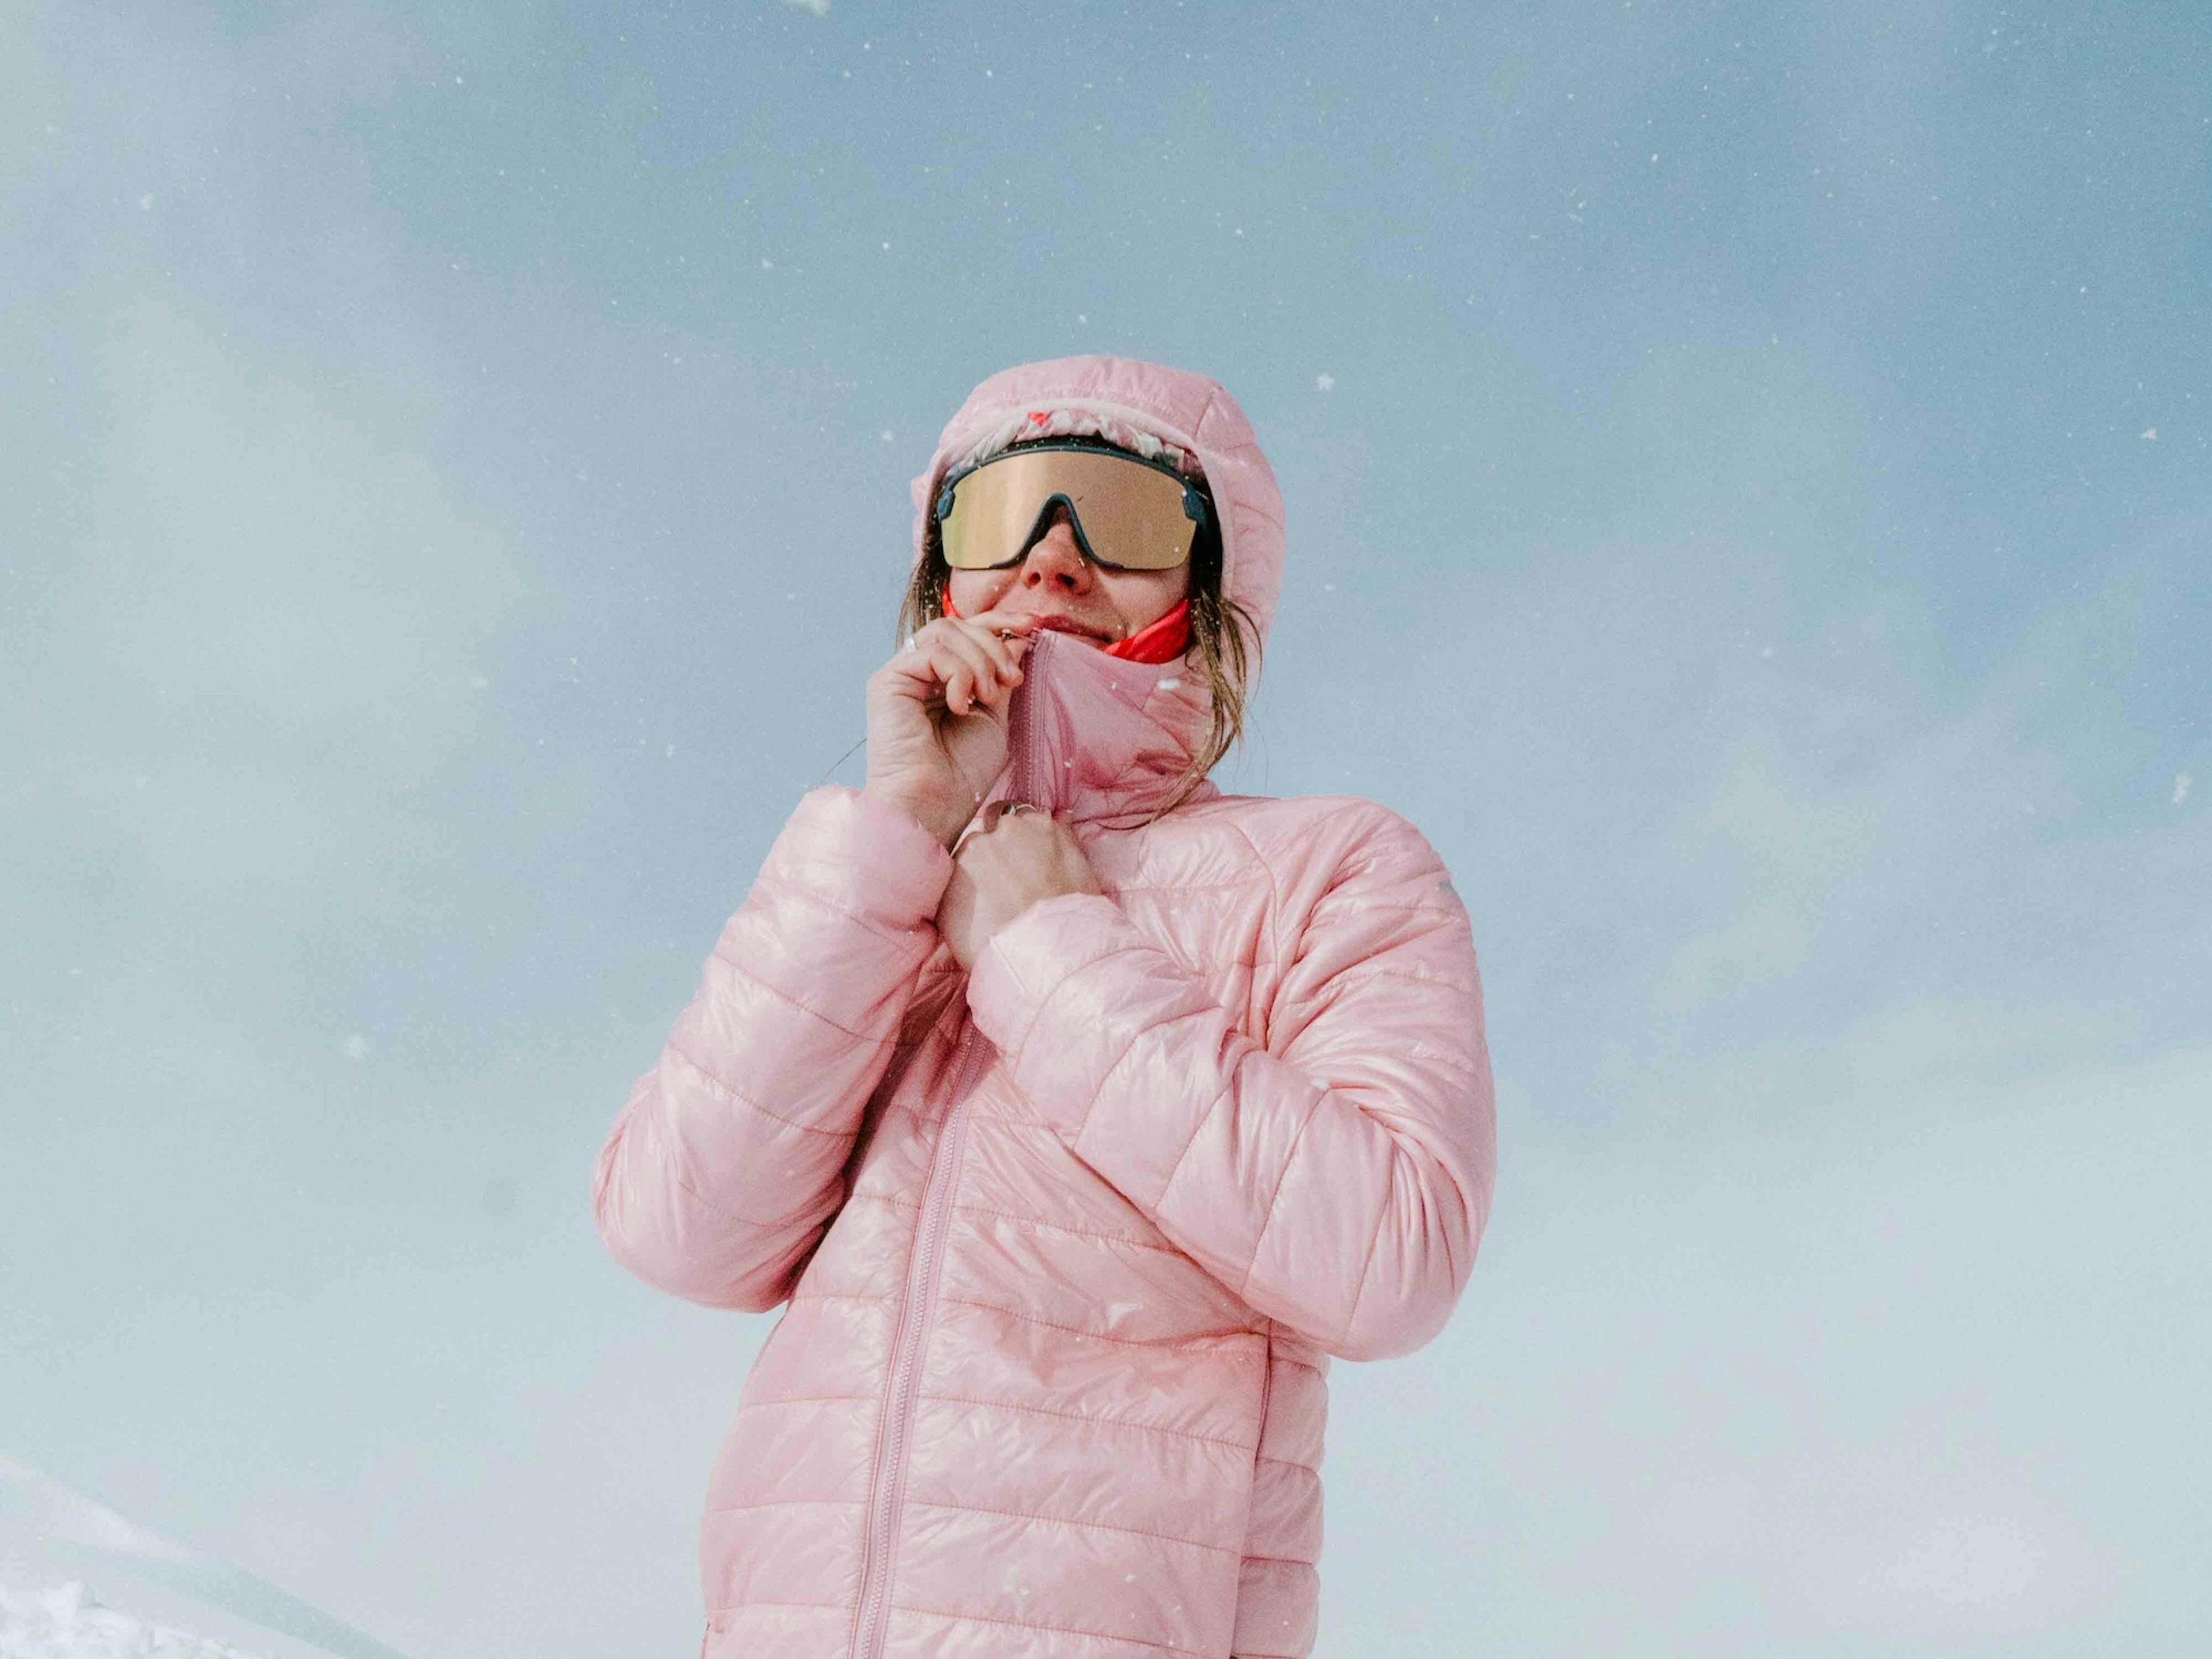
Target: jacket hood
column 1172, row 406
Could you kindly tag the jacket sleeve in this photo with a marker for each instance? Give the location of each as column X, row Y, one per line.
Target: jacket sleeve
column 1338, row 1178
column 727, row 1163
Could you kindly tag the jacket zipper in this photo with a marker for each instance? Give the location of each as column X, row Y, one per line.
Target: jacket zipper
column 872, row 1624
column 915, row 1313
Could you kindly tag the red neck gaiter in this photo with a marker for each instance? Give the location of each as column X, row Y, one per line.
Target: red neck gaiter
column 1159, row 642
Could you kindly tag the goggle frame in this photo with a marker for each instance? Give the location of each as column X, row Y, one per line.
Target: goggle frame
column 1195, row 506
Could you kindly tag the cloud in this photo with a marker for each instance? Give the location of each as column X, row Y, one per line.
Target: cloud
column 1848, row 843
column 1837, row 1388
column 1904, row 1541
column 279, row 581
column 272, row 633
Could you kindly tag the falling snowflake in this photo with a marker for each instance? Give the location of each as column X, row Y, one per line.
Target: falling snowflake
column 2181, row 782
column 1325, row 382
column 356, row 1047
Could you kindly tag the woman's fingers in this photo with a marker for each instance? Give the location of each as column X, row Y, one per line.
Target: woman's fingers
column 1002, row 656
column 959, row 683
column 994, row 663
column 993, row 630
column 970, row 672
column 966, row 659
column 1000, row 622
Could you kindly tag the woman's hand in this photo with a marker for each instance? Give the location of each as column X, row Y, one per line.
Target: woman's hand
column 1013, row 861
column 937, row 717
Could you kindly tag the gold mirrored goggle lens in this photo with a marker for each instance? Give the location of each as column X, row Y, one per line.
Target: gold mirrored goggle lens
column 1128, row 515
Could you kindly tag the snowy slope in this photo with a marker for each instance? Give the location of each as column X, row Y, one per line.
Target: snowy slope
column 67, row 1624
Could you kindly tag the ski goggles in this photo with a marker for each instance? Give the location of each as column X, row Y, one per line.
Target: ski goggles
column 1127, row 513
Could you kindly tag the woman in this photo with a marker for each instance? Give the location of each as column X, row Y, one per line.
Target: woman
column 1079, row 1112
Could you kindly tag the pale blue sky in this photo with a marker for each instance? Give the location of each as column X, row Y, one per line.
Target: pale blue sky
column 1750, row 479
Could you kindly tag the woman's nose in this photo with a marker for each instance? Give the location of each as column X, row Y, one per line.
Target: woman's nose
column 1056, row 559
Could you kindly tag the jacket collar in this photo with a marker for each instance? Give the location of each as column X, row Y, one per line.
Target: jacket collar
column 1105, row 740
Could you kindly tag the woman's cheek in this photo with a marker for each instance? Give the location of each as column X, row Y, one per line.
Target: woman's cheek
column 973, row 594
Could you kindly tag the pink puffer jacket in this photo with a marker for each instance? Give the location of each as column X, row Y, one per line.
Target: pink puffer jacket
column 1068, row 1243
